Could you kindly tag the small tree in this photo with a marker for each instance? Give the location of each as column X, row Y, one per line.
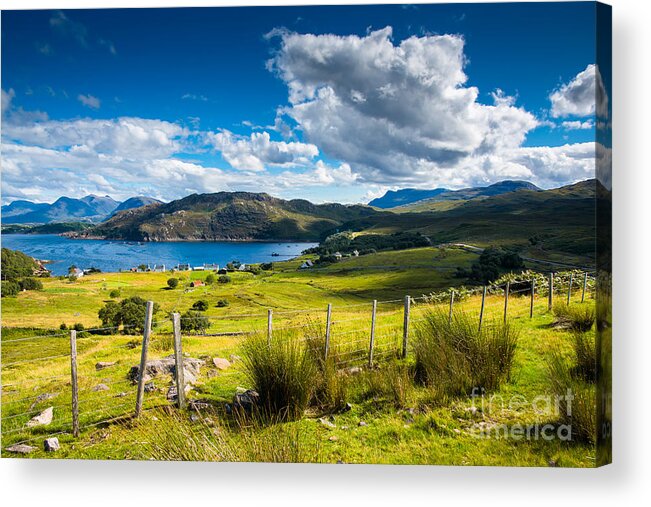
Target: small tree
column 142, row 267
column 115, row 293
column 222, row 303
column 10, row 288
column 210, row 279
column 129, row 313
column 30, row 284
column 224, row 279
column 200, row 306
column 194, row 321
column 63, row 326
column 173, row 283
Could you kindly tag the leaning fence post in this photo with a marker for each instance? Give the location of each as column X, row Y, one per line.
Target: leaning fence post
column 73, row 382
column 143, row 356
column 327, row 333
column 506, row 299
column 569, row 289
column 451, row 306
column 370, row 345
column 178, row 358
column 585, row 286
column 550, row 298
column 270, row 317
column 533, row 293
column 481, row 311
column 405, row 326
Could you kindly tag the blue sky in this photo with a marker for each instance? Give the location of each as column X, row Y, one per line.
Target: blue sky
column 172, row 101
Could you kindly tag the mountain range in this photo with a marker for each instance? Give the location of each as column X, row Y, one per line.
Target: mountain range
column 91, row 208
column 407, row 196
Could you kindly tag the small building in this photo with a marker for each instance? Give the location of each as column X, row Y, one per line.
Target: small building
column 307, row 264
column 77, row 273
column 159, row 268
column 208, row 266
column 242, row 267
column 198, row 268
column 197, row 283
column 355, row 253
column 338, row 255
column 183, row 267
column 222, row 271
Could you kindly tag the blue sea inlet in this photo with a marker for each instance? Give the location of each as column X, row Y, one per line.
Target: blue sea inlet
column 123, row 255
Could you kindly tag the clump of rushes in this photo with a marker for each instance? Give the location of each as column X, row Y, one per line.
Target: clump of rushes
column 330, row 385
column 454, row 357
column 393, row 382
column 585, row 356
column 282, row 372
column 578, row 316
column 578, row 410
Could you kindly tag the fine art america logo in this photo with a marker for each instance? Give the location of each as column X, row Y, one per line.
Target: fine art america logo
column 550, row 407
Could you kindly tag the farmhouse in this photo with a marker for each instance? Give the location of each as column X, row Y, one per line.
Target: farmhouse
column 338, row 255
column 197, row 283
column 77, row 273
column 183, row 267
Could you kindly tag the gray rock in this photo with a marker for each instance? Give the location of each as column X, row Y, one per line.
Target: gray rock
column 347, row 408
column 327, row 423
column 150, row 387
column 172, row 392
column 51, row 444
column 43, row 397
column 42, row 419
column 104, row 364
column 167, row 366
column 354, row 370
column 121, row 395
column 247, row 400
column 221, row 363
column 194, row 417
column 199, row 404
column 20, row 449
column 362, row 423
column 100, row 387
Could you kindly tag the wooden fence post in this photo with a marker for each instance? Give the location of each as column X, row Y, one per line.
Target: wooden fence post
column 327, row 334
column 451, row 306
column 506, row 299
column 585, row 286
column 481, row 311
column 405, row 326
column 533, row 293
column 550, row 299
column 569, row 289
column 270, row 317
column 73, row 381
column 178, row 357
column 372, row 341
column 143, row 356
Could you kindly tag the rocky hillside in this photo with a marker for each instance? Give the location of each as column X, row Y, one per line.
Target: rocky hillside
column 229, row 216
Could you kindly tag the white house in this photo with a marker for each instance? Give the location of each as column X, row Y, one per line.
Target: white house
column 338, row 255
column 307, row 264
column 77, row 273
column 242, row 267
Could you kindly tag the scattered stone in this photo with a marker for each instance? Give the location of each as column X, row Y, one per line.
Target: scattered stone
column 362, row 423
column 154, row 418
column 333, row 438
column 347, row 408
column 172, row 392
column 42, row 419
column 199, row 404
column 247, row 400
column 353, row 370
column 472, row 410
column 194, row 417
column 212, row 373
column 327, row 423
column 167, row 366
column 150, row 387
column 43, row 397
column 51, row 444
column 234, row 357
column 121, row 395
column 20, row 449
column 221, row 363
column 100, row 387
column 457, row 430
column 104, row 364
column 344, row 428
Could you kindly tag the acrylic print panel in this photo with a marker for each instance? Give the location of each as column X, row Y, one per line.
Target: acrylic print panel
column 336, row 234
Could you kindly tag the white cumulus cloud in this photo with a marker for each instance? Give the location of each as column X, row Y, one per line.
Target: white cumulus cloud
column 584, row 95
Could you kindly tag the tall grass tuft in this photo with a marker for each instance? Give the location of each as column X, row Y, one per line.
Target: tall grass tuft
column 578, row 316
column 453, row 357
column 393, row 382
column 585, row 355
column 580, row 412
column 282, row 372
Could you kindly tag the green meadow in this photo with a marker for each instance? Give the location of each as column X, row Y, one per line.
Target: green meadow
column 389, row 418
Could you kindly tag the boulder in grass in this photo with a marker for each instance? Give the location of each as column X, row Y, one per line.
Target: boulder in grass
column 42, row 397
column 104, row 364
column 221, row 363
column 100, row 387
column 51, row 444
column 167, row 366
column 246, row 400
column 42, row 419
column 20, row 449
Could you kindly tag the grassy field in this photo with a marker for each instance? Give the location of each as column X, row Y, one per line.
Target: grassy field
column 380, row 427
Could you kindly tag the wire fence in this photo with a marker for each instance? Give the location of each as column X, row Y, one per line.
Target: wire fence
column 62, row 383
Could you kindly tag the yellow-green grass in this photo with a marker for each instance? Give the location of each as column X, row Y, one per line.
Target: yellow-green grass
column 432, row 434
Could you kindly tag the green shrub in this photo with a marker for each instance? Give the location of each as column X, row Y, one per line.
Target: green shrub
column 393, row 382
column 10, row 288
column 580, row 412
column 282, row 372
column 455, row 357
column 172, row 283
column 222, row 303
column 30, row 284
column 578, row 316
column 224, row 279
column 63, row 326
column 129, row 313
column 330, row 386
column 210, row 279
column 200, row 306
column 115, row 293
column 194, row 321
column 585, row 356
